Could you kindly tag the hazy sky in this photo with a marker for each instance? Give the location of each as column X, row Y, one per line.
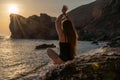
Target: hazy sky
column 30, row 7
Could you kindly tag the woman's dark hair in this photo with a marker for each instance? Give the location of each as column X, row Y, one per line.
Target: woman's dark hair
column 70, row 34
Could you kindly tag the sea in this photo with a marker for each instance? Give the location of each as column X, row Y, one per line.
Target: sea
column 20, row 59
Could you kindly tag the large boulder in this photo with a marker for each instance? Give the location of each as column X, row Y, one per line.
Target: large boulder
column 41, row 27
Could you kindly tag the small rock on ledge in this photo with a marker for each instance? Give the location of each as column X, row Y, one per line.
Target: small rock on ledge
column 44, row 46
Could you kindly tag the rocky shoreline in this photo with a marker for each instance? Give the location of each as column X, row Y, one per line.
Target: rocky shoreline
column 103, row 64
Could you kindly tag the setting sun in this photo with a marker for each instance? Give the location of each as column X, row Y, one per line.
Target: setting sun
column 13, row 9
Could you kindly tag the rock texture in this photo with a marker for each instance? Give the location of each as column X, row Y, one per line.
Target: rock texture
column 98, row 20
column 41, row 27
column 98, row 66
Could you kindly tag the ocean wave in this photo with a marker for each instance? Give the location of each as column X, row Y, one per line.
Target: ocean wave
column 31, row 72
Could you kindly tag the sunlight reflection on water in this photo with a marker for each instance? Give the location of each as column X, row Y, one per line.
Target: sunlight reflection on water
column 19, row 56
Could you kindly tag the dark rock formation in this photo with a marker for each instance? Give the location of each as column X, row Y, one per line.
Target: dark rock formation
column 44, row 46
column 41, row 27
column 95, row 42
column 99, row 66
column 114, row 43
column 99, row 20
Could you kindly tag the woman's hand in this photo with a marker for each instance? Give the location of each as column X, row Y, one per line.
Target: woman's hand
column 59, row 19
column 64, row 9
column 60, row 16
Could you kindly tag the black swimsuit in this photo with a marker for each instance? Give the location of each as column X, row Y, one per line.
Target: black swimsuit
column 65, row 51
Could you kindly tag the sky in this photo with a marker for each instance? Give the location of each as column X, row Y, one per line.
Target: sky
column 30, row 7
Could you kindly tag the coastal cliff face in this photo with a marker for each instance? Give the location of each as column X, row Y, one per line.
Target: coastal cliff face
column 99, row 20
column 41, row 27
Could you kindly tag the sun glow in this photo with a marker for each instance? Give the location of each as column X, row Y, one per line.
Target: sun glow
column 13, row 9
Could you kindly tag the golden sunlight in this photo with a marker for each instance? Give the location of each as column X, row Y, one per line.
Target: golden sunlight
column 13, row 9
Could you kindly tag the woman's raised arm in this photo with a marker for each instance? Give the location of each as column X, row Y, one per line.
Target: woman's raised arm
column 59, row 26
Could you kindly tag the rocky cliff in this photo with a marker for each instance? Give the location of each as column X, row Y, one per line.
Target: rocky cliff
column 41, row 27
column 98, row 20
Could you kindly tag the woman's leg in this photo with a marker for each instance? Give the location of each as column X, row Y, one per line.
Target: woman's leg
column 54, row 56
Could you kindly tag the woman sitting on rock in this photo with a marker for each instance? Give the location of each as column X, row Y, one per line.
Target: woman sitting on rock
column 67, row 39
